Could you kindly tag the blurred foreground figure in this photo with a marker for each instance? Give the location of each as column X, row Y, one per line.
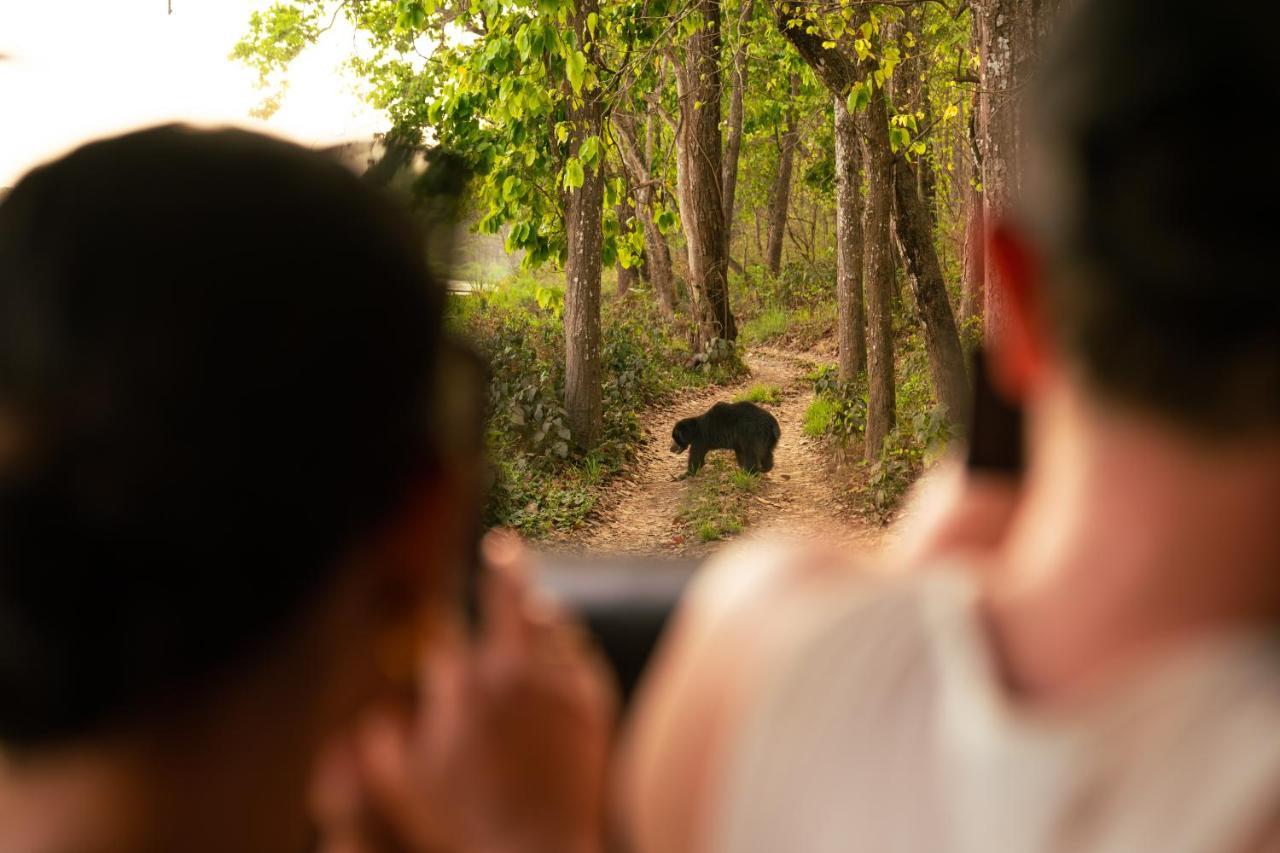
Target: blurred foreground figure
column 1102, row 674
column 235, row 511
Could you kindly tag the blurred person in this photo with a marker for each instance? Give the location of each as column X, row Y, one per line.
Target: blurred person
column 234, row 507
column 1098, row 668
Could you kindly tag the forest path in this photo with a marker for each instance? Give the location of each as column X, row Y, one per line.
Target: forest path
column 638, row 514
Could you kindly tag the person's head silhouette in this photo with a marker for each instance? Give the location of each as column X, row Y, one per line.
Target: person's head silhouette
column 221, row 495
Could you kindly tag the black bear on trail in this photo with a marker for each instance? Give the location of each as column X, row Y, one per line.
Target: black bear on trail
column 745, row 428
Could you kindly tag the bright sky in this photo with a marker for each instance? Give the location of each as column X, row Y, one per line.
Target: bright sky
column 80, row 69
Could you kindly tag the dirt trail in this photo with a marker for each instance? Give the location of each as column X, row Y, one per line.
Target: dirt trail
column 798, row 497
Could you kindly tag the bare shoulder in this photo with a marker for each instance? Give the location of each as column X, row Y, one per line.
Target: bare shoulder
column 741, row 612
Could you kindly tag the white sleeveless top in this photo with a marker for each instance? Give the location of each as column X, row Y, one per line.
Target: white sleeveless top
column 885, row 730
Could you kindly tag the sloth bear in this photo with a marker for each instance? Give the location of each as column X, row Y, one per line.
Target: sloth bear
column 745, row 428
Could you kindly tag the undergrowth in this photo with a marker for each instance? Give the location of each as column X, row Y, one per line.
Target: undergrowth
column 838, row 415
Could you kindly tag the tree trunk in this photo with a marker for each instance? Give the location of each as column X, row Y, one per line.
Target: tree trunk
column 733, row 135
column 657, row 252
column 877, row 272
column 780, row 197
column 627, row 276
column 975, row 256
column 698, row 160
column 584, row 208
column 1008, row 31
column 914, row 231
column 974, row 246
column 850, row 323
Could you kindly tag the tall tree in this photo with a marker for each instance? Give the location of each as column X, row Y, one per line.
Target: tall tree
column 914, row 231
column 733, row 131
column 877, row 270
column 850, row 320
column 657, row 251
column 1009, row 32
column 697, row 72
column 780, row 198
column 850, row 68
column 914, row 220
column 584, row 206
column 974, row 251
column 625, row 211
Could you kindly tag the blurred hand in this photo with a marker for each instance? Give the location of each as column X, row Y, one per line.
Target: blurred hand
column 507, row 750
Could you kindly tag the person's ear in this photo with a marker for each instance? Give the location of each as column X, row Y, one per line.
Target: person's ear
column 1017, row 339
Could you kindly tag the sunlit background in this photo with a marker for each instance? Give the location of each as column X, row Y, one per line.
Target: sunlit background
column 74, row 70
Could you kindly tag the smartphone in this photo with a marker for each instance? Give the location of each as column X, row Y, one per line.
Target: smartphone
column 996, row 441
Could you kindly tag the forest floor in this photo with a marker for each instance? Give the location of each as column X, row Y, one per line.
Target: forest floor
column 641, row 511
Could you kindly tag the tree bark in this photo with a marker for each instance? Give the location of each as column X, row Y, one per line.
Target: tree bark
column 877, row 272
column 657, row 252
column 584, row 208
column 1008, row 34
column 733, row 135
column 699, row 161
column 627, row 276
column 780, row 197
column 975, row 236
column 975, row 256
column 850, row 322
column 914, row 231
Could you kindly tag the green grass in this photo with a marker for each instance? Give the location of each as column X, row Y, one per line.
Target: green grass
column 770, row 324
column 817, row 418
column 768, row 394
column 802, row 326
column 716, row 499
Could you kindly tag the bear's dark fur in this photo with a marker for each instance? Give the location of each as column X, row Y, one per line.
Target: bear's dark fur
column 745, row 428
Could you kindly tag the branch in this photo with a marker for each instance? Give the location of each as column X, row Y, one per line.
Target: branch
column 837, row 72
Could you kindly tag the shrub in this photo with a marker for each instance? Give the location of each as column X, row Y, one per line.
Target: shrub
column 839, row 409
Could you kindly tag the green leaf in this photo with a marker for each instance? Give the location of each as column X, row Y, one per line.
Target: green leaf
column 589, row 151
column 859, row 97
column 522, row 42
column 899, row 138
column 575, row 68
column 511, row 188
column 666, row 221
column 411, row 15
column 573, row 174
column 562, row 132
column 592, row 18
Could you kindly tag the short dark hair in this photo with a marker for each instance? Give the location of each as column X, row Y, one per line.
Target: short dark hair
column 216, row 352
column 1160, row 232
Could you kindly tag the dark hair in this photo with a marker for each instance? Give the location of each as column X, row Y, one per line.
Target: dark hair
column 216, row 352
column 1159, row 222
